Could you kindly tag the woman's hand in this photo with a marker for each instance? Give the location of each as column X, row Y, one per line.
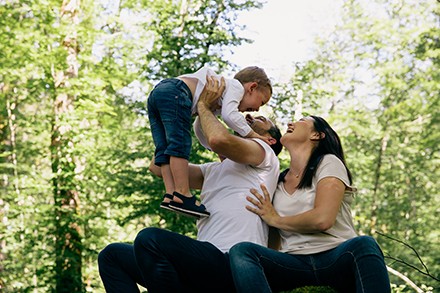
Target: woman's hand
column 212, row 92
column 262, row 206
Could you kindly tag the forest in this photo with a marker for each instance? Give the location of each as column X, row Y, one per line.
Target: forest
column 75, row 143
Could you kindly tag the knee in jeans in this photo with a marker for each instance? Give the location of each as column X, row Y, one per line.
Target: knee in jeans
column 366, row 245
column 106, row 253
column 148, row 235
column 241, row 249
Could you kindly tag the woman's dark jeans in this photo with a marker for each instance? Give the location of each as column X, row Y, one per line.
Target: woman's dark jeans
column 357, row 265
column 164, row 261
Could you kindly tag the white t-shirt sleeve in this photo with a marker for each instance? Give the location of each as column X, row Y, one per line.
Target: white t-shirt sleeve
column 206, row 168
column 332, row 166
column 270, row 162
column 230, row 114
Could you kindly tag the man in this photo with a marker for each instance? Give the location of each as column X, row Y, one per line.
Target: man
column 164, row 261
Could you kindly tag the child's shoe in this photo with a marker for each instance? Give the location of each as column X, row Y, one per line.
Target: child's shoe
column 188, row 206
column 166, row 205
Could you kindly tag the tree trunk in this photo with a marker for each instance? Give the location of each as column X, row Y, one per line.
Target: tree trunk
column 383, row 147
column 68, row 245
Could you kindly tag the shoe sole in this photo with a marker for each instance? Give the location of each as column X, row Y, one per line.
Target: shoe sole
column 188, row 212
column 166, row 207
column 185, row 214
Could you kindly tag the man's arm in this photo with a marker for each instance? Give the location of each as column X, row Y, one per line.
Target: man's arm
column 195, row 174
column 238, row 149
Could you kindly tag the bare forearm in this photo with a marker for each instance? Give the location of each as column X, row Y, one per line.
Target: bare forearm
column 320, row 218
column 211, row 126
column 217, row 135
column 308, row 222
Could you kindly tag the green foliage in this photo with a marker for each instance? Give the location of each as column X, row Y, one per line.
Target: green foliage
column 82, row 174
column 188, row 35
column 312, row 290
column 75, row 142
column 375, row 78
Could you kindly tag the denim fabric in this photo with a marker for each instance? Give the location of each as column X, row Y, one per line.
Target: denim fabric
column 169, row 112
column 164, row 261
column 357, row 265
column 118, row 269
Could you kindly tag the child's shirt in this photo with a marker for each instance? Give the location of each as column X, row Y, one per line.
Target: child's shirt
column 229, row 102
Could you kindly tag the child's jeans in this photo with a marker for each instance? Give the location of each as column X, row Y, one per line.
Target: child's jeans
column 169, row 112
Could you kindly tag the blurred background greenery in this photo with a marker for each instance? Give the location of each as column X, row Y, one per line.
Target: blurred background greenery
column 75, row 142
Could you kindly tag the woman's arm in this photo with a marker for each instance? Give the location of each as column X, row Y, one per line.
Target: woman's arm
column 195, row 174
column 329, row 195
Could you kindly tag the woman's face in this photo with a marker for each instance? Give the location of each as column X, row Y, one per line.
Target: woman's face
column 299, row 131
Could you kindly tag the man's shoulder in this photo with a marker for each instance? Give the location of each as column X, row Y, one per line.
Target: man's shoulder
column 205, row 166
column 270, row 159
column 264, row 144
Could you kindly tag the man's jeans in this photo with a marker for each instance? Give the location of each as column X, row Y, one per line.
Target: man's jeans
column 357, row 265
column 164, row 261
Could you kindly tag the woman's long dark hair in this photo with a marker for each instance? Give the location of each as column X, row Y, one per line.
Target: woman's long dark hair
column 329, row 144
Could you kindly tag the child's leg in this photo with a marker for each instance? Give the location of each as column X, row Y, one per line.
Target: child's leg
column 180, row 174
column 175, row 119
column 183, row 201
column 168, row 180
column 159, row 96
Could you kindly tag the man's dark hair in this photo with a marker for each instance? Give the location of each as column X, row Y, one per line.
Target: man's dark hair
column 275, row 132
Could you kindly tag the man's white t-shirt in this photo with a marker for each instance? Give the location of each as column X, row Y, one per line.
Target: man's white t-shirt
column 302, row 200
column 225, row 187
column 229, row 102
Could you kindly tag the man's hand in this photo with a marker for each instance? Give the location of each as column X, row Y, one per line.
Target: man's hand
column 212, row 92
column 235, row 148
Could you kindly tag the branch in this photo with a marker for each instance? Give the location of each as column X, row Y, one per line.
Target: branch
column 411, row 266
column 405, row 278
column 427, row 273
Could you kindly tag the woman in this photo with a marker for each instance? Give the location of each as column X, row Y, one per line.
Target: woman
column 311, row 210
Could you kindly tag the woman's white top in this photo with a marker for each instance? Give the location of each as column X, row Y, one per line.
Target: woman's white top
column 303, row 200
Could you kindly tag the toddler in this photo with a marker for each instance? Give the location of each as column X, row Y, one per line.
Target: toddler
column 171, row 105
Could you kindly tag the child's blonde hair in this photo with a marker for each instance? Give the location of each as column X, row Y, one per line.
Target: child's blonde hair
column 254, row 74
